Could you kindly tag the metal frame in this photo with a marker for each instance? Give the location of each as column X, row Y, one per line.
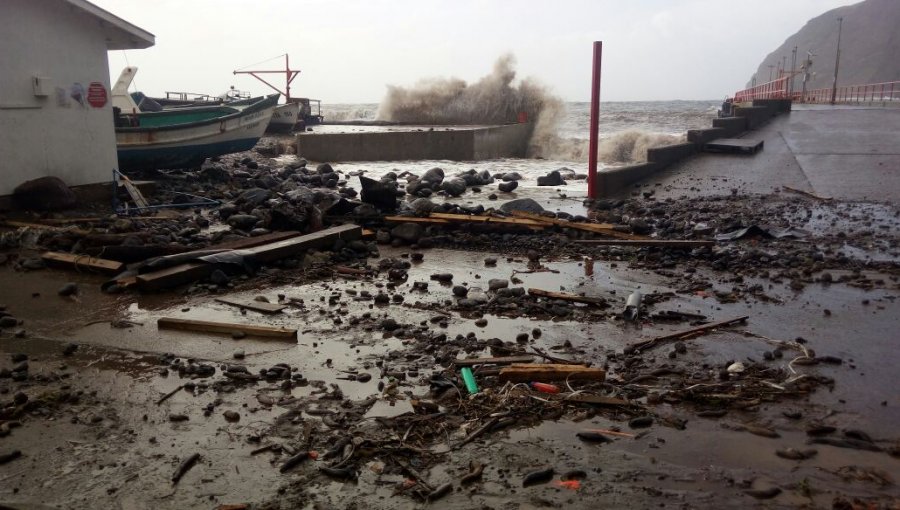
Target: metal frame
column 124, row 209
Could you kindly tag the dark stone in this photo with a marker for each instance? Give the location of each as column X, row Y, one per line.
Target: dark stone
column 219, row 277
column 511, row 176
column 409, row 232
column 69, row 289
column 324, row 168
column 551, row 179
column 454, row 187
column 508, row 187
column 639, row 226
column 254, row 196
column 433, row 177
column 380, row 194
column 243, row 221
column 44, row 194
column 528, row 205
column 460, row 291
column 8, row 322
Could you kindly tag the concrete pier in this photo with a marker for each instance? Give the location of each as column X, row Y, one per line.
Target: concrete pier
column 455, row 143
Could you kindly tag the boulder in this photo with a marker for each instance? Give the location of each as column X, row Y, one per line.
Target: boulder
column 242, row 221
column 528, row 205
column 44, row 194
column 382, row 195
column 551, row 179
column 422, row 206
column 511, row 176
column 409, row 232
column 508, row 186
column 433, row 177
column 254, row 197
column 454, row 187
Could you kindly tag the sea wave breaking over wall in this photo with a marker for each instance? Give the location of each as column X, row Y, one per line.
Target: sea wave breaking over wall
column 497, row 99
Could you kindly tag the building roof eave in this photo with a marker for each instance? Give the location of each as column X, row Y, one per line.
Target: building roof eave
column 120, row 34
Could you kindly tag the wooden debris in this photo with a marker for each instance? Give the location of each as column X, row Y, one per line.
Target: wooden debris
column 598, row 301
column 415, row 219
column 184, row 467
column 596, row 400
column 136, row 196
column 350, row 270
column 226, row 328
column 168, row 395
column 82, row 262
column 682, row 335
column 466, row 218
column 271, row 251
column 479, row 431
column 550, row 372
column 504, row 360
column 597, row 228
column 806, row 194
column 256, row 306
column 660, row 243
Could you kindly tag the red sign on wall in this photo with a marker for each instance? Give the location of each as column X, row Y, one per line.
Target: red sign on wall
column 96, row 95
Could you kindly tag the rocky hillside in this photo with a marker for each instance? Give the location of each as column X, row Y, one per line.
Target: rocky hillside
column 870, row 46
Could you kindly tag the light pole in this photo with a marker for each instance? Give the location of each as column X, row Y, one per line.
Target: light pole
column 771, row 68
column 793, row 70
column 837, row 61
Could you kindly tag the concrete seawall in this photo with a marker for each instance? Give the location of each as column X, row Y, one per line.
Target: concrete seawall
column 746, row 118
column 455, row 144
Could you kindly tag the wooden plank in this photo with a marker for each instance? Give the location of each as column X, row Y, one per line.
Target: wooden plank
column 596, row 228
column 682, row 335
column 466, row 218
column 82, row 262
column 661, row 243
column 192, row 271
column 256, row 306
column 226, row 328
column 250, row 242
column 415, row 219
column 298, row 245
column 596, row 400
column 550, row 372
column 136, row 196
column 598, row 301
column 503, row 360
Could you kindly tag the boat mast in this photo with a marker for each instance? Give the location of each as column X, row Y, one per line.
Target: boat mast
column 289, row 75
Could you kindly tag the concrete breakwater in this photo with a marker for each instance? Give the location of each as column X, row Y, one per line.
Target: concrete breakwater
column 746, row 118
column 458, row 143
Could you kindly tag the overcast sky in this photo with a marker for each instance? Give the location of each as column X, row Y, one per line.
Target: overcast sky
column 349, row 50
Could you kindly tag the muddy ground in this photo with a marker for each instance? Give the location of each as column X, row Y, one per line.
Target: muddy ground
column 794, row 408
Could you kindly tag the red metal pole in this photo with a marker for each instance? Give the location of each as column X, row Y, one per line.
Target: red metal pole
column 595, row 121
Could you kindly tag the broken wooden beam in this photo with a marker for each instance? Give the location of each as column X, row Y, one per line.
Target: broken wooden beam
column 595, row 400
column 474, row 218
column 503, row 360
column 575, row 298
column 288, row 247
column 79, row 262
column 226, row 328
column 660, row 243
column 550, row 372
column 681, row 335
column 256, row 306
column 596, row 228
column 415, row 219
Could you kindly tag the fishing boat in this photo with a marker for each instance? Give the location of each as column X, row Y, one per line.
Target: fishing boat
column 184, row 137
column 296, row 113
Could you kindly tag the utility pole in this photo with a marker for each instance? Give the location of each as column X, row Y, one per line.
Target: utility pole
column 753, row 80
column 783, row 65
column 771, row 68
column 837, row 61
column 793, row 70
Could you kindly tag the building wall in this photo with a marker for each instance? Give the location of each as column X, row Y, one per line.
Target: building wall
column 53, row 135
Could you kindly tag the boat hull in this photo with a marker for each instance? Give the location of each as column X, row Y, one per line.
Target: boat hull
column 189, row 145
column 284, row 118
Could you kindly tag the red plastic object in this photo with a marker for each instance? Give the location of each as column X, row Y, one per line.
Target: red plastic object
column 544, row 387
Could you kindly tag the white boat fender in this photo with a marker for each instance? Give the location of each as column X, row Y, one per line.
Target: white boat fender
column 633, row 307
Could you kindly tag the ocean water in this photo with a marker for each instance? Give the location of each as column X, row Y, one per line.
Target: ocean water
column 627, row 129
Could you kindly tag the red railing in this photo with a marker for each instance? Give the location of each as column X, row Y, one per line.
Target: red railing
column 871, row 93
column 776, row 89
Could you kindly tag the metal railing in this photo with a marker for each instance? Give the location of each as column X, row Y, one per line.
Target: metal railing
column 869, row 93
column 775, row 89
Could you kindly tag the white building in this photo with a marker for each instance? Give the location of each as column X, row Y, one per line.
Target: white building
column 55, row 110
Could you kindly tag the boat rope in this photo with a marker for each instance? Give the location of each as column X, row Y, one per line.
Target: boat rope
column 261, row 62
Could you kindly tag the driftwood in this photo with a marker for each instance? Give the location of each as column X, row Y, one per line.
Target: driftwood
column 226, row 328
column 550, row 372
column 682, row 335
column 575, row 298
